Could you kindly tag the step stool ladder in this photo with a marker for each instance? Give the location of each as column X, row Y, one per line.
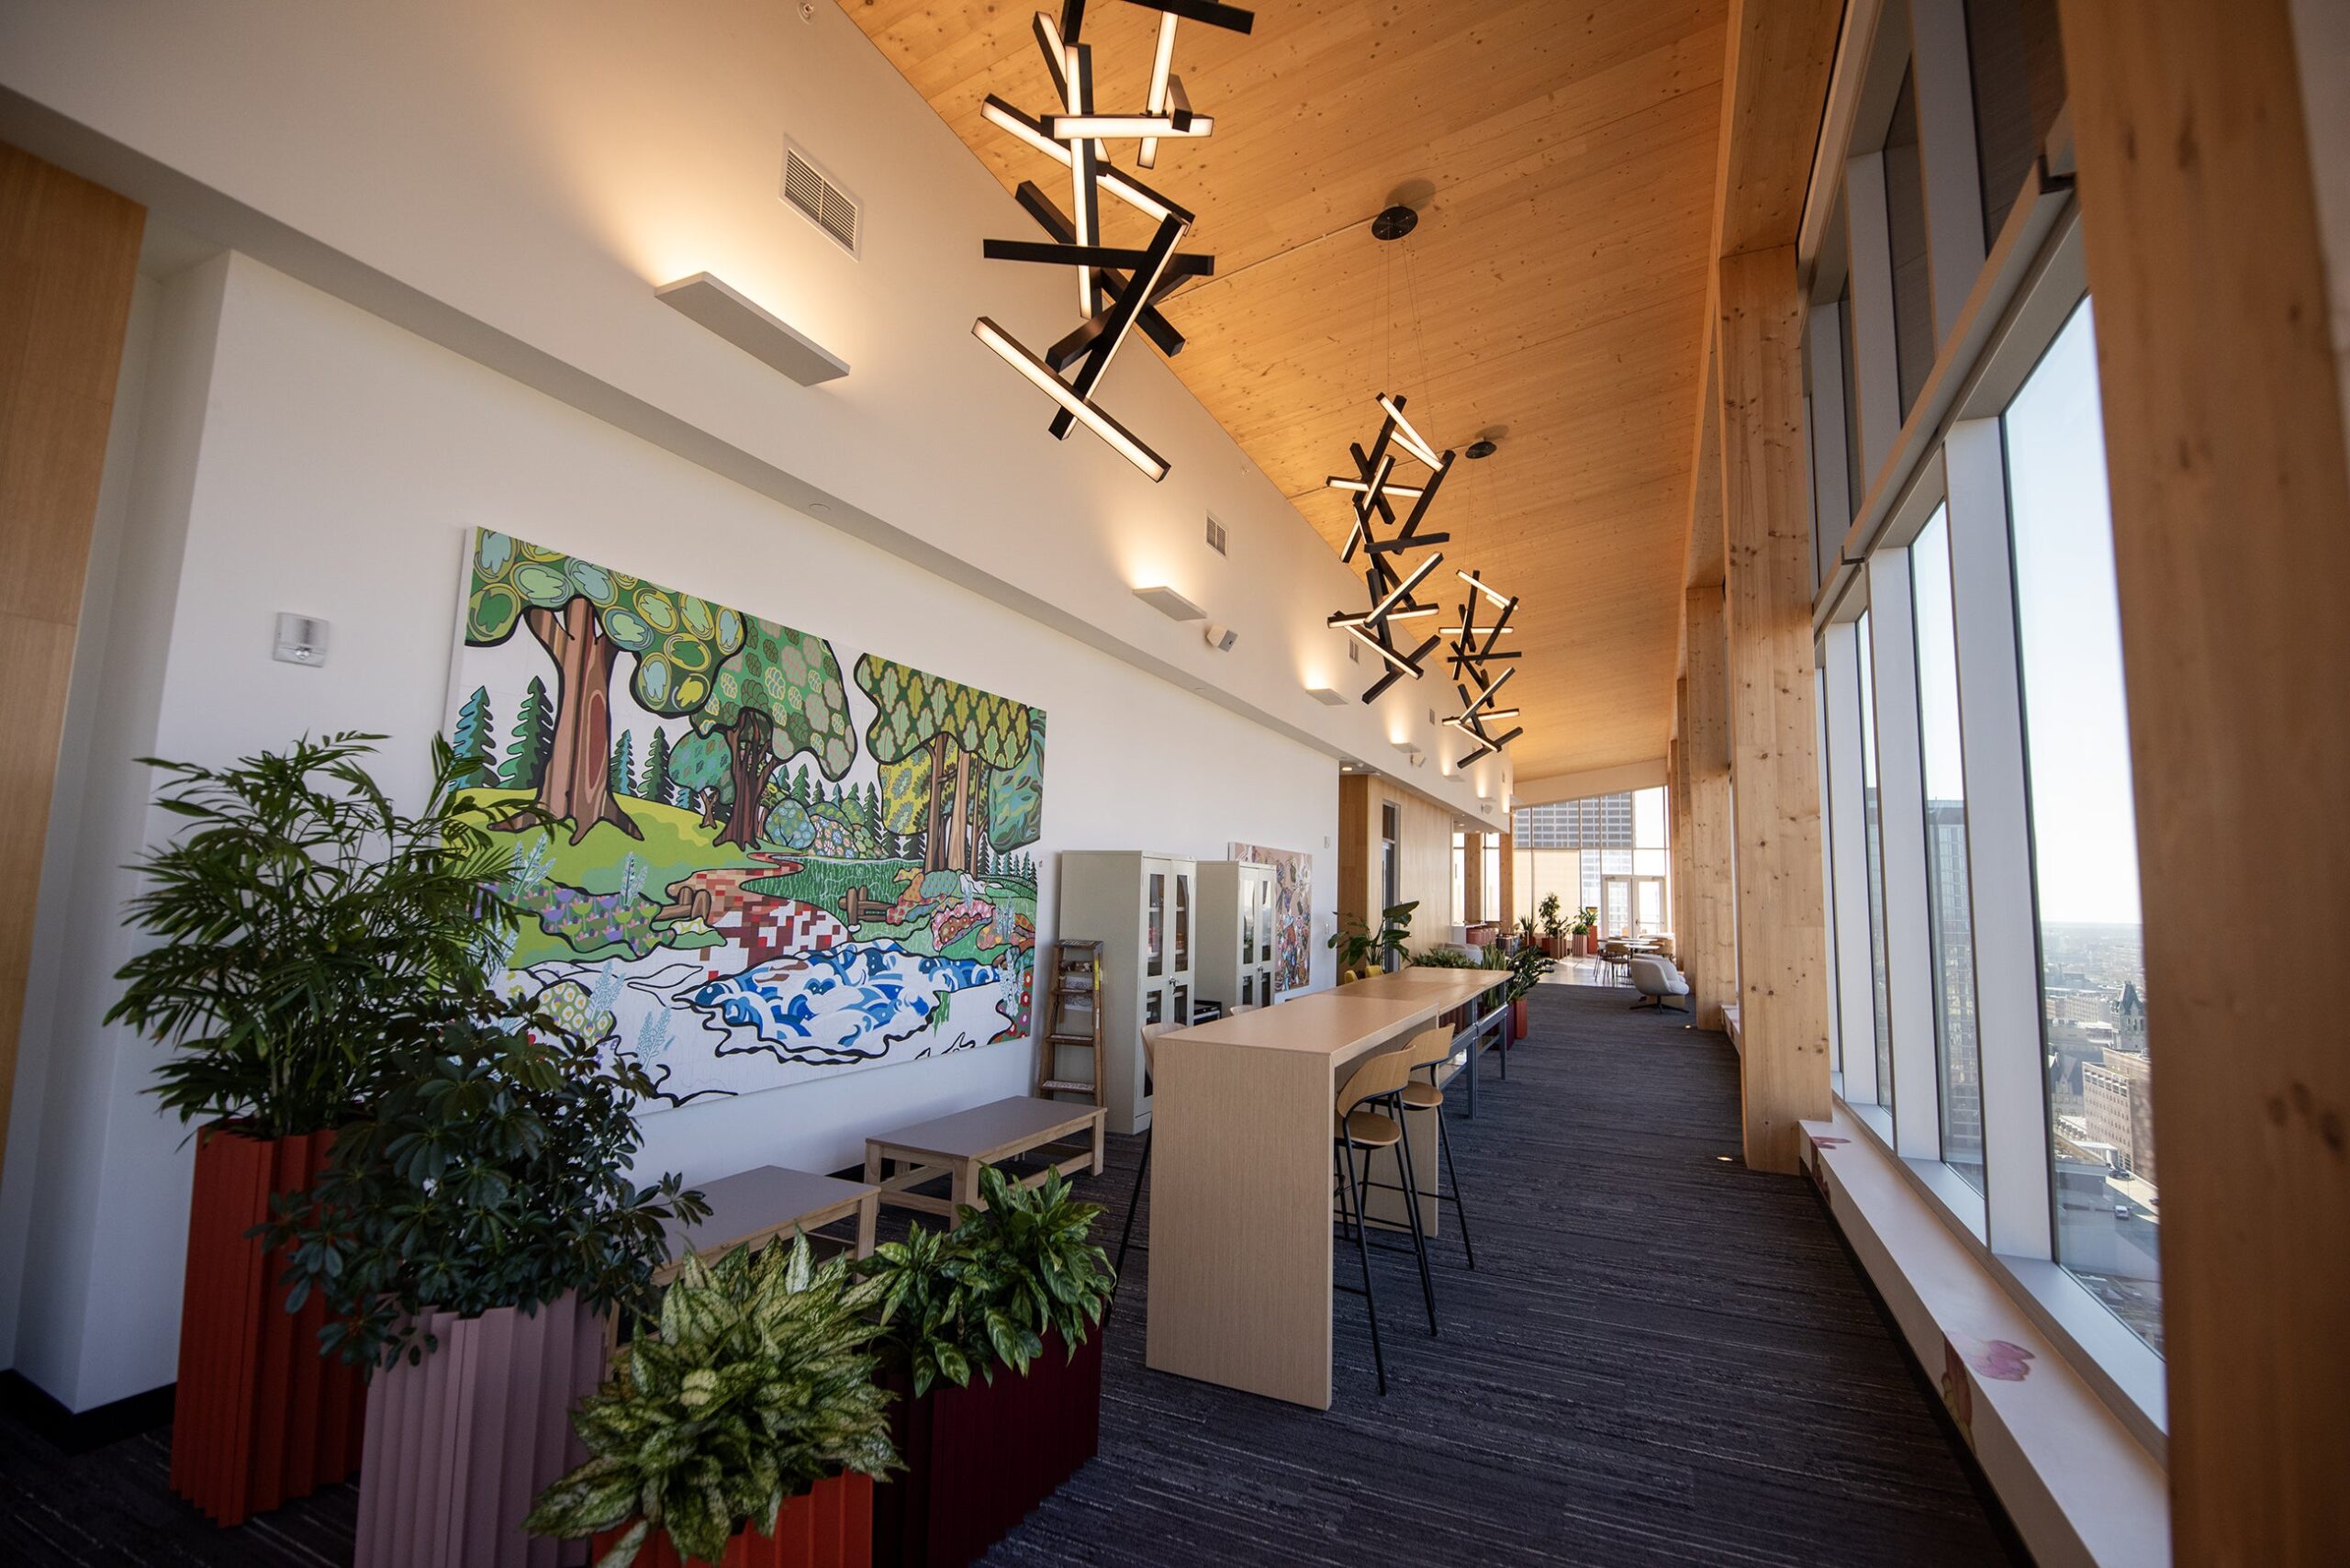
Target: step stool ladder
column 1073, row 1021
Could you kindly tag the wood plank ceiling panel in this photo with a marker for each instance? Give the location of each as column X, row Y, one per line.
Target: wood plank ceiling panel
column 1563, row 159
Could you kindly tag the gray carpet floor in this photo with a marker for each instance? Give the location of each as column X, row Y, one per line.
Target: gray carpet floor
column 1661, row 1357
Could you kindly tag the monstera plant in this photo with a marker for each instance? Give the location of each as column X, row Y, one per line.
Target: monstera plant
column 758, row 1385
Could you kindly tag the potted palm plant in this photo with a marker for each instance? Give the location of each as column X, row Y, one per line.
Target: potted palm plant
column 297, row 912
column 987, row 1343
column 1554, row 930
column 470, row 1235
column 1586, row 924
column 746, row 1432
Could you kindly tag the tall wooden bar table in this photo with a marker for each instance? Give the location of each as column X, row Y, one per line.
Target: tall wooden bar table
column 1240, row 1178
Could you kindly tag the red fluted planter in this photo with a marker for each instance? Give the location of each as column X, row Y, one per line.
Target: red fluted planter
column 978, row 1460
column 460, row 1443
column 828, row 1526
column 259, row 1416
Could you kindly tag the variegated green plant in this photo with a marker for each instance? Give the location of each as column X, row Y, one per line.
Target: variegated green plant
column 926, row 1284
column 758, row 1384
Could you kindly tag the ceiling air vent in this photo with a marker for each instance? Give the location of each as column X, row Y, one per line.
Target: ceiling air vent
column 820, row 201
column 1216, row 535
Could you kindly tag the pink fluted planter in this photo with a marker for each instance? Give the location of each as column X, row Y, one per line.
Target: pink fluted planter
column 459, row 1445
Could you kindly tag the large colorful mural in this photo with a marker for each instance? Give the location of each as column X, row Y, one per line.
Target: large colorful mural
column 1293, row 923
column 746, row 853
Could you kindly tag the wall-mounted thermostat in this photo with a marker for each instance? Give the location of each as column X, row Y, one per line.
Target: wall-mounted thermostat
column 301, row 639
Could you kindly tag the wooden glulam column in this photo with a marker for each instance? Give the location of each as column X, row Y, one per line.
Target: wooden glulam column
column 69, row 254
column 2230, row 502
column 1781, row 927
column 1710, row 947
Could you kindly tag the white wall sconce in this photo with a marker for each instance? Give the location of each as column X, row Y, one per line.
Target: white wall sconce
column 766, row 336
column 1326, row 696
column 1169, row 603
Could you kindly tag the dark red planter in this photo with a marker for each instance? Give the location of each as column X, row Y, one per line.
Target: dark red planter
column 259, row 1418
column 1517, row 1019
column 828, row 1526
column 979, row 1460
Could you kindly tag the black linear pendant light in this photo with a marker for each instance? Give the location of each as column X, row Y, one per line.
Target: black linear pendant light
column 1119, row 289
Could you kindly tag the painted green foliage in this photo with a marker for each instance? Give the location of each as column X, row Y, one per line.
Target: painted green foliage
column 703, row 766
column 585, row 616
column 530, row 740
column 968, row 734
column 779, row 695
column 476, row 739
column 1016, row 795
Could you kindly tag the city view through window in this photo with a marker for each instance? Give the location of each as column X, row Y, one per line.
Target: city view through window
column 2085, row 853
column 1608, row 853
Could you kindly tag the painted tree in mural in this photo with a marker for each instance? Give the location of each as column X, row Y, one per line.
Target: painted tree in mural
column 476, row 738
column 652, row 783
column 622, row 779
column 586, row 616
column 779, row 694
column 703, row 769
column 965, row 731
column 530, row 741
column 1016, row 794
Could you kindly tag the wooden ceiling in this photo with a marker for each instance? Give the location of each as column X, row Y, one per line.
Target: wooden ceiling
column 1563, row 157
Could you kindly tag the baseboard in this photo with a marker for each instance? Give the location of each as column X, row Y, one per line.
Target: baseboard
column 79, row 1431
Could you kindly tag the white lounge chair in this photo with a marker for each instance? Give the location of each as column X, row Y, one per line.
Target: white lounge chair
column 1657, row 981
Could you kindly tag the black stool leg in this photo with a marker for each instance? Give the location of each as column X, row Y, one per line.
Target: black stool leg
column 1362, row 1250
column 1133, row 1206
column 1459, row 1204
column 1412, row 1212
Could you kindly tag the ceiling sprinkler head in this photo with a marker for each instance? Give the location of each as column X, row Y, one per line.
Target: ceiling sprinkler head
column 1394, row 223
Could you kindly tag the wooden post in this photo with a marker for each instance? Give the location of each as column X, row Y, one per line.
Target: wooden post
column 1782, row 929
column 67, row 261
column 1710, row 948
column 2231, row 498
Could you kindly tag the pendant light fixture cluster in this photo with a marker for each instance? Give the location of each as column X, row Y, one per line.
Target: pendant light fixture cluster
column 1472, row 649
column 1393, row 587
column 1119, row 289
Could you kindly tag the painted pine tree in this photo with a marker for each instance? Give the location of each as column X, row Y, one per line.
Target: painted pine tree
column 476, row 738
column 531, row 741
column 623, row 770
column 652, row 779
column 800, row 790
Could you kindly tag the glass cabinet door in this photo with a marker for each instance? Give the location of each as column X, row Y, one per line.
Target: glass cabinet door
column 1178, row 1007
column 1247, row 921
column 1248, row 990
column 1183, row 963
column 1155, row 925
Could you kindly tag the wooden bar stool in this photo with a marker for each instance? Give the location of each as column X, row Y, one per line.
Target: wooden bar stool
column 1431, row 1049
column 1377, row 1082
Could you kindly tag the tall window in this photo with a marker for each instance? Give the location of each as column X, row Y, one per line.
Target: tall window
column 1905, row 225
column 1489, row 877
column 1459, row 879
column 1949, row 906
column 2084, row 838
column 1873, row 845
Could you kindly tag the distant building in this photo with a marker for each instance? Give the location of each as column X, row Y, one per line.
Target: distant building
column 2129, row 1017
column 2117, row 1105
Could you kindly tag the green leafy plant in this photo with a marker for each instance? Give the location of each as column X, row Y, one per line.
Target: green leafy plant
column 1526, row 932
column 1445, row 958
column 1552, row 926
column 962, row 1302
column 924, row 1284
column 300, row 914
column 489, row 1170
column 1587, row 921
column 1360, row 947
column 758, row 1385
column 1526, row 967
column 1038, row 1266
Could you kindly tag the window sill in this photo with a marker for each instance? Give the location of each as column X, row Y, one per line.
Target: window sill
column 2072, row 1472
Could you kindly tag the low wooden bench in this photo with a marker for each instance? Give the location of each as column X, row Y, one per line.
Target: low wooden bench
column 955, row 1146
column 769, row 1200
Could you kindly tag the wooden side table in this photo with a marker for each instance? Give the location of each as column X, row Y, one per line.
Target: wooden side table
column 956, row 1145
column 756, row 1204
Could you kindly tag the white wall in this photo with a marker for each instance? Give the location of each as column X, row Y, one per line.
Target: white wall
column 341, row 461
column 517, row 179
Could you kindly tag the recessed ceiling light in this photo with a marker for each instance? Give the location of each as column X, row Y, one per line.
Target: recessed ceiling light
column 1169, row 603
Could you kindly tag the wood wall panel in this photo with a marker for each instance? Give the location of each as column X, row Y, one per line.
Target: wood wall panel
column 2225, row 449
column 68, row 254
column 1782, row 922
column 1709, row 948
column 1424, row 857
